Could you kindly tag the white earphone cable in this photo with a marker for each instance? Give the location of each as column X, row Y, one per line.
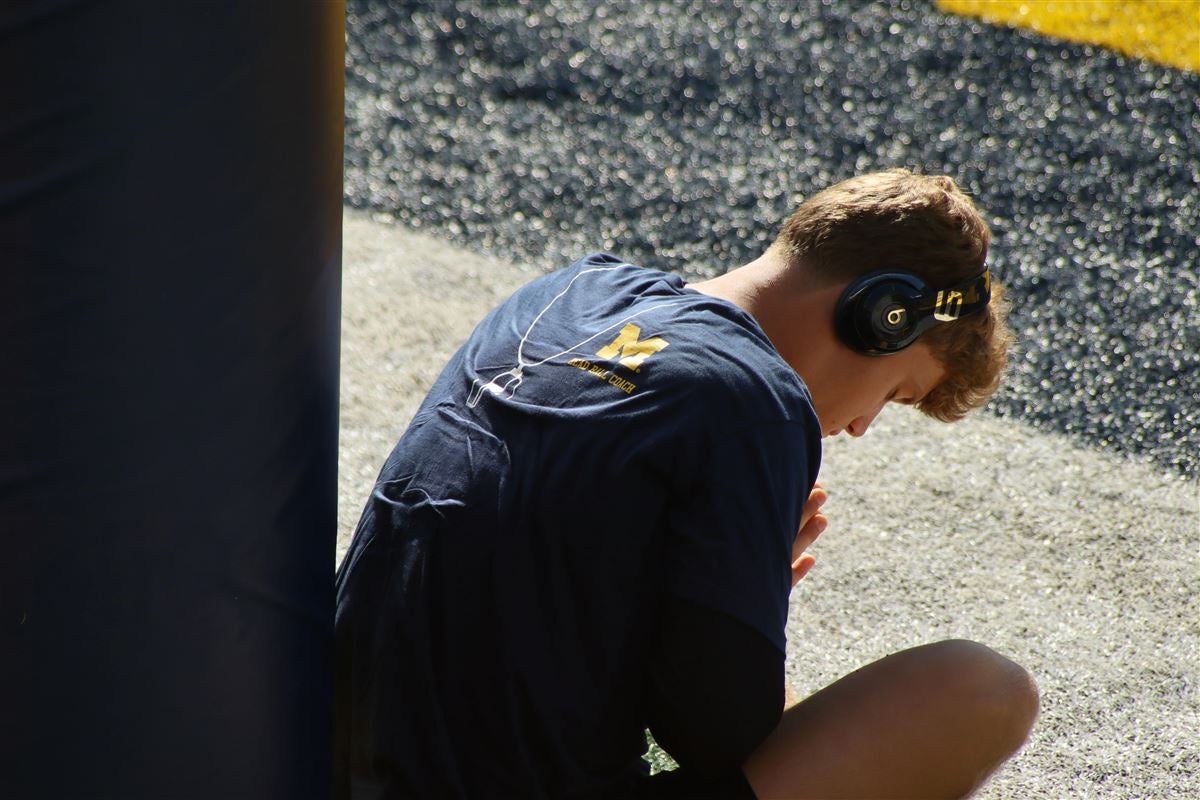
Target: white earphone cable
column 509, row 380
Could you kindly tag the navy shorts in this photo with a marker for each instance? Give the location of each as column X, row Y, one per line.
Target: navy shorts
column 682, row 784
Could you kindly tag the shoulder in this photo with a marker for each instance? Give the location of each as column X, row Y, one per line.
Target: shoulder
column 731, row 366
column 597, row 278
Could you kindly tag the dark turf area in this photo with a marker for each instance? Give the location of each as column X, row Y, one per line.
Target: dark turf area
column 679, row 135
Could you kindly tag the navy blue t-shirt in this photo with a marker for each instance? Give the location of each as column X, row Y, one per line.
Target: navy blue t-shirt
column 606, row 435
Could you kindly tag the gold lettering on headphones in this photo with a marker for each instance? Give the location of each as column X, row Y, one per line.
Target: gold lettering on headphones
column 948, row 306
column 895, row 317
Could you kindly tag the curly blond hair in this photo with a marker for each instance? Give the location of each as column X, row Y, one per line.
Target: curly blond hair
column 922, row 224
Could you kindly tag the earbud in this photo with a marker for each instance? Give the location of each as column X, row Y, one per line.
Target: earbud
column 504, row 383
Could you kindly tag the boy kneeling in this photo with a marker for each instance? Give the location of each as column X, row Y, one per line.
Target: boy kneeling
column 593, row 523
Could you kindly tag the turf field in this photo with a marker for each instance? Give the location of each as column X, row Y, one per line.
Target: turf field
column 1062, row 525
column 679, row 134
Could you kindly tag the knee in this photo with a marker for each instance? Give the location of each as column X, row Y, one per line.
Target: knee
column 999, row 693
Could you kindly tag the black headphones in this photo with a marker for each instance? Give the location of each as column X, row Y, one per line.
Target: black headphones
column 884, row 312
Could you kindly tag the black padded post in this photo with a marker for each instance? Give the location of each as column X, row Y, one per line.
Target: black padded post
column 170, row 239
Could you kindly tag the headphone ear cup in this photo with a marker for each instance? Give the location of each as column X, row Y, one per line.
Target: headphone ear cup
column 878, row 314
column 889, row 316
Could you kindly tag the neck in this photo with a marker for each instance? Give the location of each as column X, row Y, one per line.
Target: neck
column 796, row 316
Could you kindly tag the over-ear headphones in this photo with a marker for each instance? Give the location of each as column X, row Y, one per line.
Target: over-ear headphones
column 884, row 312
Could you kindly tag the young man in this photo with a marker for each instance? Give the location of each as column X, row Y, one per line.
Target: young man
column 592, row 525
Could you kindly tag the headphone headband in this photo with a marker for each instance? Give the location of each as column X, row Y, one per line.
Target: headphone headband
column 966, row 298
column 885, row 312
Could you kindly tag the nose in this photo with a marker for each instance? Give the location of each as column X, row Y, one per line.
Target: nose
column 860, row 424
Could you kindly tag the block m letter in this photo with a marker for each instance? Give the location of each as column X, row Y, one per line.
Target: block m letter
column 632, row 351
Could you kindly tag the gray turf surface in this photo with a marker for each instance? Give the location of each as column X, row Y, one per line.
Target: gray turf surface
column 1055, row 526
column 680, row 134
column 1082, row 566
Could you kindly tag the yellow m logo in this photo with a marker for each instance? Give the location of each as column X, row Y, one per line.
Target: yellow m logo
column 632, row 351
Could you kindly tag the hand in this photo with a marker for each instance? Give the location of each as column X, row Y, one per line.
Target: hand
column 812, row 524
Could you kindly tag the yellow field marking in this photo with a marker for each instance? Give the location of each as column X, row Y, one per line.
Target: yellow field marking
column 1166, row 31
